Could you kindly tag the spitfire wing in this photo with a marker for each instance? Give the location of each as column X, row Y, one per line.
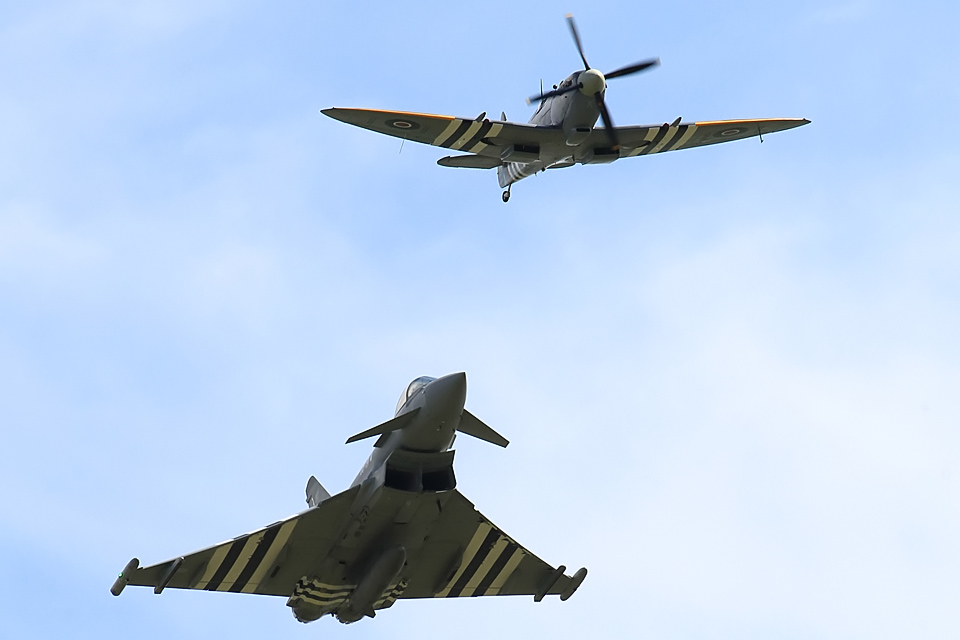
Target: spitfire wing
column 646, row 140
column 467, row 555
column 484, row 137
column 267, row 561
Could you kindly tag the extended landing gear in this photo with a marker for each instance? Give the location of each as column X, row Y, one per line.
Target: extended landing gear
column 506, row 194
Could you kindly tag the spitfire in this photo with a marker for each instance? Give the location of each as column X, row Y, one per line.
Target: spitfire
column 562, row 131
column 402, row 530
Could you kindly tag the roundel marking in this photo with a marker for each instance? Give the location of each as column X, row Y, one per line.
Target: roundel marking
column 732, row 132
column 406, row 125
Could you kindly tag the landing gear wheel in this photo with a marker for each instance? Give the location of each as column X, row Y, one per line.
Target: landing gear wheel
column 506, row 195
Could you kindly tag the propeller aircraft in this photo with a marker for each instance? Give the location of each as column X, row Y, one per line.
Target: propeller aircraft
column 402, row 530
column 562, row 131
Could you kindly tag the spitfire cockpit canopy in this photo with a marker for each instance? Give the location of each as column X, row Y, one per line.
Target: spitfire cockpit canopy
column 412, row 388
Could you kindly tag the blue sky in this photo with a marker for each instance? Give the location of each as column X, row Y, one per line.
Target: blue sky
column 729, row 374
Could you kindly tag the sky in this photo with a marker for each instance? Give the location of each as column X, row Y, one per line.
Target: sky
column 729, row 374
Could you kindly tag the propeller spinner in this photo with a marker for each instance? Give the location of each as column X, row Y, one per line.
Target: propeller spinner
column 591, row 82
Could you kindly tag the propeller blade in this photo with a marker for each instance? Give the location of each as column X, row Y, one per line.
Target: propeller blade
column 634, row 68
column 555, row 92
column 576, row 38
column 608, row 123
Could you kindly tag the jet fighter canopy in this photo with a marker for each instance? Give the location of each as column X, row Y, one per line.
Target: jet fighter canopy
column 412, row 388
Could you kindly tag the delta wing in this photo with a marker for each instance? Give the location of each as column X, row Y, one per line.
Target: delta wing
column 267, row 561
column 471, row 556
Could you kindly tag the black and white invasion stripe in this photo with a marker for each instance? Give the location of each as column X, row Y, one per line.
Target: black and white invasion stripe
column 241, row 564
column 321, row 594
column 467, row 135
column 488, row 561
column 511, row 172
column 329, row 596
column 663, row 139
column 390, row 595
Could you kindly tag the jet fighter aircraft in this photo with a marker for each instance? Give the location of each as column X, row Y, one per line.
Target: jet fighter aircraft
column 560, row 134
column 401, row 530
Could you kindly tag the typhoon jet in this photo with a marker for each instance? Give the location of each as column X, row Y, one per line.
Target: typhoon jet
column 562, row 131
column 402, row 530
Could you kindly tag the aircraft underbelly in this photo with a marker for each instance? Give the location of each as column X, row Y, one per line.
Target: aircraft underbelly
column 391, row 519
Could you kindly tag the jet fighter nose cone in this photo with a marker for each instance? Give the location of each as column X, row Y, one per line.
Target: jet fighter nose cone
column 449, row 391
column 591, row 82
column 442, row 405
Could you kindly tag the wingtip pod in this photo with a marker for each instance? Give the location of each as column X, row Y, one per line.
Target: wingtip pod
column 124, row 576
column 551, row 579
column 574, row 583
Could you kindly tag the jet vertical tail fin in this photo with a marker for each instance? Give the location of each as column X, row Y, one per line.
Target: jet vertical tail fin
column 315, row 492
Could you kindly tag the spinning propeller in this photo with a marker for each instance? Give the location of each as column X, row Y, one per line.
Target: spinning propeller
column 592, row 82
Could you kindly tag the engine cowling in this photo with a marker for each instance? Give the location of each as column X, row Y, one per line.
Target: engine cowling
column 591, row 82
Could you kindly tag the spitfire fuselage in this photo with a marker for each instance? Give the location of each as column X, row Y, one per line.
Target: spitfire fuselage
column 576, row 113
column 568, row 111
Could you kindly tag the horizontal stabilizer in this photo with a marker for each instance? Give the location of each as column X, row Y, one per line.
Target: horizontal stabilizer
column 390, row 425
column 469, row 162
column 473, row 426
column 315, row 492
